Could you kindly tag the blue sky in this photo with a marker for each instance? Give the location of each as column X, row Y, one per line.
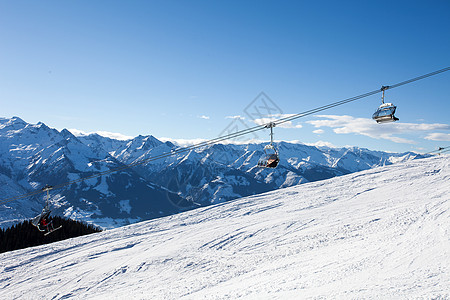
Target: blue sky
column 189, row 69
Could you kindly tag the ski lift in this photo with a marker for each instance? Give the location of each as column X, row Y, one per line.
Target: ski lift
column 270, row 158
column 41, row 221
column 385, row 113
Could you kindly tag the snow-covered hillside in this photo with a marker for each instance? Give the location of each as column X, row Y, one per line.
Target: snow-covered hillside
column 381, row 233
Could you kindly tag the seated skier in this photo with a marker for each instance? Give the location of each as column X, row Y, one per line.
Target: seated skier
column 44, row 223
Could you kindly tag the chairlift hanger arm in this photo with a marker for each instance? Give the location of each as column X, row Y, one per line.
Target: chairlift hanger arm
column 271, row 125
column 47, row 188
column 383, row 88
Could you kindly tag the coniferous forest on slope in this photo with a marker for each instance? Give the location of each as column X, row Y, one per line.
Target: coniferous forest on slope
column 24, row 234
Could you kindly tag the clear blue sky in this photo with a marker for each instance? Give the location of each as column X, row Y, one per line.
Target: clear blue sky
column 181, row 69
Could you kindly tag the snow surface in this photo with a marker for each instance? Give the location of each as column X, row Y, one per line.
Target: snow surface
column 382, row 233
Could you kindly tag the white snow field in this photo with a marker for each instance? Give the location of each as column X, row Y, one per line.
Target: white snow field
column 382, row 233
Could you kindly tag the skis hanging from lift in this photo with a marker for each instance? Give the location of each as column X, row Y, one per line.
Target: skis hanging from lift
column 53, row 230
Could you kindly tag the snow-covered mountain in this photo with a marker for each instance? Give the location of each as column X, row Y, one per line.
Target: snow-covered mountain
column 223, row 172
column 382, row 233
column 32, row 156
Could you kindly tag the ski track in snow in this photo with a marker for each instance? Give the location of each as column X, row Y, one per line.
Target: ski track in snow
column 382, row 233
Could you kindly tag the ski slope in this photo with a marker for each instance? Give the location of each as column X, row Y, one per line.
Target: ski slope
column 381, row 233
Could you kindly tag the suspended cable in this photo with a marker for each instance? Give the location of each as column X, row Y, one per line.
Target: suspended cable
column 230, row 136
column 440, row 150
column 338, row 103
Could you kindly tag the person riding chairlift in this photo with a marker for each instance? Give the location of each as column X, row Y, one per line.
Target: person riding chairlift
column 44, row 223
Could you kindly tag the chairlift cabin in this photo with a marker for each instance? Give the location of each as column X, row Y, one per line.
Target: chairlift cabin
column 385, row 113
column 270, row 158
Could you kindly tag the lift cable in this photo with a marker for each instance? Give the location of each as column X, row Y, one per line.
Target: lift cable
column 440, row 150
column 229, row 136
column 448, row 150
column 290, row 118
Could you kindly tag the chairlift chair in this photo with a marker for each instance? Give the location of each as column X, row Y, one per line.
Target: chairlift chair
column 385, row 113
column 270, row 158
column 38, row 220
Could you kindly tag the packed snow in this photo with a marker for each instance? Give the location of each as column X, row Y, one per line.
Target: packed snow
column 380, row 233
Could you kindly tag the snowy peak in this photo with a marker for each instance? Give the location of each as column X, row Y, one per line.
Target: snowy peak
column 14, row 121
column 147, row 142
column 142, row 144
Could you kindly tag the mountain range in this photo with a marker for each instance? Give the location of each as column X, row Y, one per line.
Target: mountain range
column 34, row 155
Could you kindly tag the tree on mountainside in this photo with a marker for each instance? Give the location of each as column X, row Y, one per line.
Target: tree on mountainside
column 24, row 234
